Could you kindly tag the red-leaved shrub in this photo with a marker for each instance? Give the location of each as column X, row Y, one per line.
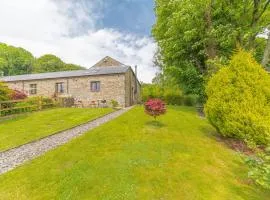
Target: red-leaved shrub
column 155, row 107
column 17, row 95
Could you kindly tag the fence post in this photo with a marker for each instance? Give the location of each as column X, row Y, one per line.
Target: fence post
column 39, row 103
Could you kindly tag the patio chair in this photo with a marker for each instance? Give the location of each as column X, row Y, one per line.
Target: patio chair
column 93, row 104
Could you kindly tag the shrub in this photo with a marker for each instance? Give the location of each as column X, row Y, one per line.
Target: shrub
column 17, row 107
column 150, row 91
column 260, row 169
column 238, row 102
column 172, row 95
column 114, row 103
column 33, row 101
column 40, row 102
column 47, row 100
column 4, row 92
column 189, row 100
column 17, row 95
column 26, row 107
column 62, row 101
column 173, row 99
column 155, row 107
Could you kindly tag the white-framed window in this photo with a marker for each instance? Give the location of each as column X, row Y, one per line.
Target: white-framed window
column 95, row 86
column 33, row 89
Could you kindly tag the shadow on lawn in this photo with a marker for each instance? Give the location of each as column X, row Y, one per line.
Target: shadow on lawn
column 155, row 124
column 208, row 131
column 235, row 144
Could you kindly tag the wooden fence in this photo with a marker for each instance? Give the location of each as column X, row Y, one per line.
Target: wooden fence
column 22, row 106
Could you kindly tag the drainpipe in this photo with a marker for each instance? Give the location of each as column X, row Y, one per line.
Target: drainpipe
column 135, row 91
column 136, row 71
column 67, row 86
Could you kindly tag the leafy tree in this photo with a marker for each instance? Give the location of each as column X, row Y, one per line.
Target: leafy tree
column 155, row 107
column 238, row 100
column 195, row 35
column 14, row 61
column 48, row 63
column 51, row 63
column 73, row 67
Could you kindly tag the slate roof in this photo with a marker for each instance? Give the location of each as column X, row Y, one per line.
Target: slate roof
column 63, row 74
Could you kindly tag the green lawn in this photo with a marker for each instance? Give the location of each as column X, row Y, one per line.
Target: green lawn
column 32, row 126
column 133, row 157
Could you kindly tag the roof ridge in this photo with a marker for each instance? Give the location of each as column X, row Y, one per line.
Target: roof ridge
column 107, row 61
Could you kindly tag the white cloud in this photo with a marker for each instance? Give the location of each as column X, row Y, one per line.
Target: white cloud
column 47, row 26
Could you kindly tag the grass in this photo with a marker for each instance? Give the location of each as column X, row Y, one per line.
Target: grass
column 133, row 157
column 29, row 127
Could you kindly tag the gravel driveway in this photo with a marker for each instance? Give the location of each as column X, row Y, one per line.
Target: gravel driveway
column 12, row 158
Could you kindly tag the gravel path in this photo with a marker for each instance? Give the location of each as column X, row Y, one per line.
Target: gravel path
column 12, row 158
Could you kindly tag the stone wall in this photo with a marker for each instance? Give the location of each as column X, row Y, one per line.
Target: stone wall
column 133, row 89
column 124, row 88
column 111, row 87
column 107, row 61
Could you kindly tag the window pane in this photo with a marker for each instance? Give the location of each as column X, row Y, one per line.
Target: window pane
column 33, row 88
column 98, row 86
column 59, row 87
column 95, row 86
column 56, row 87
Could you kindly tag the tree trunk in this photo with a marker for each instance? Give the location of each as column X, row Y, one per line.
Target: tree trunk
column 266, row 55
column 211, row 49
column 255, row 18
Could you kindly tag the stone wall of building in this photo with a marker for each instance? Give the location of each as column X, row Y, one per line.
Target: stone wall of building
column 111, row 87
column 133, row 89
column 124, row 88
column 107, row 61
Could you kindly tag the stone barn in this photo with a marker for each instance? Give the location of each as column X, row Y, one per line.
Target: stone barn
column 105, row 81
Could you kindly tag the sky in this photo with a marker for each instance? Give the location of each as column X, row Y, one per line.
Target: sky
column 83, row 31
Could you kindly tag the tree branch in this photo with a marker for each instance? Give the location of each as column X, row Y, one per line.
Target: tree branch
column 255, row 12
column 264, row 9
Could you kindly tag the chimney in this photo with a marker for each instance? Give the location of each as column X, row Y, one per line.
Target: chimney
column 136, row 70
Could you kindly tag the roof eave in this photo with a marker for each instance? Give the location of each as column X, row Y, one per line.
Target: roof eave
column 35, row 79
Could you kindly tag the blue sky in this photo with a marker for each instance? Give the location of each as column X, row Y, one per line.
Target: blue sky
column 135, row 16
column 83, row 31
column 131, row 16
